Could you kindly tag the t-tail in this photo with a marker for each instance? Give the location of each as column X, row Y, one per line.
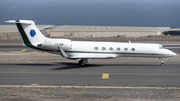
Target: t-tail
column 29, row 32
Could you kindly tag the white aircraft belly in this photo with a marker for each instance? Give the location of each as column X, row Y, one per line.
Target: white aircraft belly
column 112, row 55
column 91, row 55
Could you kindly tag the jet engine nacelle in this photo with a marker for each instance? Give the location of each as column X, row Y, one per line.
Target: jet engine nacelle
column 53, row 44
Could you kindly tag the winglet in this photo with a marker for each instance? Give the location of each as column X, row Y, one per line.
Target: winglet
column 129, row 41
column 62, row 53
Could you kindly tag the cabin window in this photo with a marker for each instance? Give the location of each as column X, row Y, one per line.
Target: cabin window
column 125, row 49
column 118, row 49
column 110, row 48
column 96, row 48
column 133, row 49
column 103, row 48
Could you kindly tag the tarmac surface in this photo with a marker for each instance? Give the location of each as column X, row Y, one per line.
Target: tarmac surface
column 30, row 75
column 22, row 66
column 114, row 74
column 94, row 73
column 173, row 47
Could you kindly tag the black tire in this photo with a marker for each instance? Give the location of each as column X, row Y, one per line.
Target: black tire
column 81, row 63
column 162, row 64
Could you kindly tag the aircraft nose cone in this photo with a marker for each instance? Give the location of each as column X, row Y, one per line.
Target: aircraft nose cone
column 172, row 53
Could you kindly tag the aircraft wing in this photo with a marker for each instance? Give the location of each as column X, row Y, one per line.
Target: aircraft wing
column 62, row 53
column 87, row 56
column 92, row 56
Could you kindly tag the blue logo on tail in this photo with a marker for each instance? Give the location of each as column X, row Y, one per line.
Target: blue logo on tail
column 32, row 33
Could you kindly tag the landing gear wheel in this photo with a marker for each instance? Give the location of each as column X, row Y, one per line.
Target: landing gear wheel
column 162, row 64
column 81, row 63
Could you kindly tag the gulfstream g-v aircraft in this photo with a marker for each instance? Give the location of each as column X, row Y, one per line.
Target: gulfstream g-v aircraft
column 85, row 50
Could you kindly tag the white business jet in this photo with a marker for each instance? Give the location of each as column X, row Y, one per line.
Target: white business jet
column 85, row 50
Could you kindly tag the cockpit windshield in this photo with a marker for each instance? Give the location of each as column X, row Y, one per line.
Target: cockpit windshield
column 162, row 47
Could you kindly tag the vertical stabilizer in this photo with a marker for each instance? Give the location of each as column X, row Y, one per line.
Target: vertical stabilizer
column 29, row 32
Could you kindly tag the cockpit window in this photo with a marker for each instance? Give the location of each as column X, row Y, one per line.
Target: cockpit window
column 161, row 47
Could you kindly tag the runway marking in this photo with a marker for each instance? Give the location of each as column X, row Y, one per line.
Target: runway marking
column 89, row 73
column 23, row 50
column 105, row 76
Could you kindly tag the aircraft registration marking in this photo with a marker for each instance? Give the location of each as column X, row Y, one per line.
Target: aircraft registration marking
column 105, row 76
column 23, row 50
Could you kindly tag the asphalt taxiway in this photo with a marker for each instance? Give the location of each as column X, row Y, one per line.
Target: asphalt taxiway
column 173, row 47
column 93, row 74
column 146, row 74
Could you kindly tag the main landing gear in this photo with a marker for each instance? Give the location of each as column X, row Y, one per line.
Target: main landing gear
column 83, row 62
column 162, row 62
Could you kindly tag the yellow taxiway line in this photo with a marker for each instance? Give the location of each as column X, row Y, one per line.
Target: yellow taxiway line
column 23, row 50
column 105, row 75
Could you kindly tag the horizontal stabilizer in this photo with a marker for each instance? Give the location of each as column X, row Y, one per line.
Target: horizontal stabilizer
column 20, row 21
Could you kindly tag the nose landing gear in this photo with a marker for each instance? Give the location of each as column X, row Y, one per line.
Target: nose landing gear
column 162, row 62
